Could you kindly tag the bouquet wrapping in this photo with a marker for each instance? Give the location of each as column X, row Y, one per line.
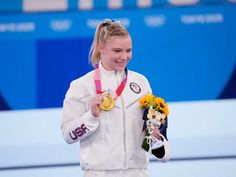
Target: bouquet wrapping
column 155, row 123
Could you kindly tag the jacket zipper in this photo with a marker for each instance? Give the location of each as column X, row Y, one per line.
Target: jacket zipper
column 124, row 124
column 124, row 131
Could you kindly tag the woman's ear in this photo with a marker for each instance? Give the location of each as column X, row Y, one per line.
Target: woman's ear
column 101, row 49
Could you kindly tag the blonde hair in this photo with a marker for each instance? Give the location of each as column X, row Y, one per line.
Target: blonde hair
column 105, row 30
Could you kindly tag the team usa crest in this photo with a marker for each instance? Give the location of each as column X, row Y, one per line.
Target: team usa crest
column 135, row 87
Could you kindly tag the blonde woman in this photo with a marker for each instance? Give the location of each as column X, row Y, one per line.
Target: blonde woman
column 101, row 109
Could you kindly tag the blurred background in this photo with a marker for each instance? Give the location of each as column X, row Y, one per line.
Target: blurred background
column 186, row 48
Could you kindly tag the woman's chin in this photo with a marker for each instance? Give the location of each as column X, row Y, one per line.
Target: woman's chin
column 121, row 67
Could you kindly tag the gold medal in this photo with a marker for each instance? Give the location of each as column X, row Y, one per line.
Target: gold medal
column 108, row 103
column 109, row 97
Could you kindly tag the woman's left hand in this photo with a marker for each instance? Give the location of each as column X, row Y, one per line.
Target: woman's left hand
column 156, row 133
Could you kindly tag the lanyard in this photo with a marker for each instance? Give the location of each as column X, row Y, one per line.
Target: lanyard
column 97, row 80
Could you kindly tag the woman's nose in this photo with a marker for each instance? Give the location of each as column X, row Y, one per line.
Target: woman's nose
column 125, row 56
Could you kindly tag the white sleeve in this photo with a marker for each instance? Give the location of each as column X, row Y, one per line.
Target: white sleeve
column 147, row 84
column 77, row 120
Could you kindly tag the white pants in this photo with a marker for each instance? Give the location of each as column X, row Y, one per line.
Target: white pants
column 117, row 173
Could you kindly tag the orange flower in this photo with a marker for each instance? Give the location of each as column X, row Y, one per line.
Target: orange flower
column 146, row 101
column 161, row 106
column 157, row 103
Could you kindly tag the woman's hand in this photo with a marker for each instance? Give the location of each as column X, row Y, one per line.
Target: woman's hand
column 94, row 105
column 156, row 133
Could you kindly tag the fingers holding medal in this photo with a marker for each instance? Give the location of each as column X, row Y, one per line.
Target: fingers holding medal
column 108, row 102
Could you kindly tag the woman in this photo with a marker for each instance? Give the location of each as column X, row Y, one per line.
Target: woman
column 101, row 109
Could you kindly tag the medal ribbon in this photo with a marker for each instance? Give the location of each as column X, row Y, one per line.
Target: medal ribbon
column 97, row 80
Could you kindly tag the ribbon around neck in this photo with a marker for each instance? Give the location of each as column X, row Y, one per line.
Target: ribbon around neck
column 97, row 80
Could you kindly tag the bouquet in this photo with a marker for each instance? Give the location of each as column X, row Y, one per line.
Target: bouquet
column 155, row 122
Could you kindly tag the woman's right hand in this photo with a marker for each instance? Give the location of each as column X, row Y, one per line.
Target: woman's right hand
column 94, row 105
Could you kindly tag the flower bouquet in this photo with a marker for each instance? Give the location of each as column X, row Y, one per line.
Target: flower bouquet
column 155, row 122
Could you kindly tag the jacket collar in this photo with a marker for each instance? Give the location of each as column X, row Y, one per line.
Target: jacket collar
column 106, row 73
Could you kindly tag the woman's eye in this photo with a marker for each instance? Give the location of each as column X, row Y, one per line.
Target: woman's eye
column 117, row 51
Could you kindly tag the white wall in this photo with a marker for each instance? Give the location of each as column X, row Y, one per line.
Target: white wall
column 202, row 136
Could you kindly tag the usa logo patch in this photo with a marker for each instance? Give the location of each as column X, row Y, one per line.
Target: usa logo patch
column 135, row 87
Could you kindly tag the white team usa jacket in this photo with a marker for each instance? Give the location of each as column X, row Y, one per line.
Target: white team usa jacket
column 112, row 141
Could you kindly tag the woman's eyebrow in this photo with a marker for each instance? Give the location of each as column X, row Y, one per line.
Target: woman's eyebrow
column 116, row 48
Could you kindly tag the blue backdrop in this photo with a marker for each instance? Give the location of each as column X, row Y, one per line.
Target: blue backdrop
column 187, row 53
